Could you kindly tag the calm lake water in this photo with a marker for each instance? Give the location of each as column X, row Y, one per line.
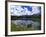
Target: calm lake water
column 34, row 24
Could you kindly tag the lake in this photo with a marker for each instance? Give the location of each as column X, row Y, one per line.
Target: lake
column 24, row 25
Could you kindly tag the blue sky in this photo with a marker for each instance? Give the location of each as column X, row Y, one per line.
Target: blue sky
column 28, row 7
column 24, row 10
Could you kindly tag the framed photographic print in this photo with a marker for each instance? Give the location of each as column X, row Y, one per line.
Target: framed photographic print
column 24, row 18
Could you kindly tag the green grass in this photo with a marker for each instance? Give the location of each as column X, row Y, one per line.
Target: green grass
column 19, row 28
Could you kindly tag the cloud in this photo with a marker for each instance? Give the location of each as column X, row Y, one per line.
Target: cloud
column 35, row 10
column 26, row 10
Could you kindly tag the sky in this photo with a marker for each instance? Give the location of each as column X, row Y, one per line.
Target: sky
column 24, row 10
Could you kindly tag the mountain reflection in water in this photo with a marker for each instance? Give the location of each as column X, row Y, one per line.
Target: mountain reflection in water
column 35, row 25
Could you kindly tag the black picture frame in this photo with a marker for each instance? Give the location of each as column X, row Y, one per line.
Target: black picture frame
column 6, row 18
